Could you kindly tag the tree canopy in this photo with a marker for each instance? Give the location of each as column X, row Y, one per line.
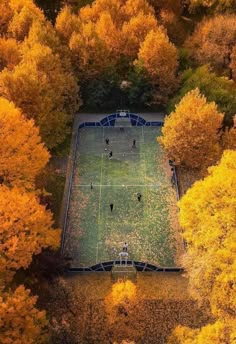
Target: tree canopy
column 38, row 75
column 124, row 33
column 22, row 154
column 20, row 321
column 208, row 219
column 218, row 89
column 190, row 132
column 26, row 228
column 213, row 41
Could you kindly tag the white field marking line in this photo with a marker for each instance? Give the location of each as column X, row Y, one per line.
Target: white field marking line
column 92, row 152
column 100, row 191
column 145, row 168
column 130, row 153
column 97, row 251
column 120, row 126
column 119, row 141
column 118, row 185
column 143, row 135
column 97, row 254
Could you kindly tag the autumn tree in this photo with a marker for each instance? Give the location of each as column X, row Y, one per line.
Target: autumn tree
column 216, row 5
column 208, row 218
column 158, row 56
column 221, row 90
column 17, row 16
column 121, row 305
column 219, row 332
column 6, row 14
column 22, row 20
column 20, row 321
column 190, row 132
column 48, row 89
column 26, row 228
column 229, row 137
column 135, row 31
column 87, row 48
column 213, row 41
column 120, row 32
column 10, row 54
column 233, row 63
column 67, row 23
column 22, row 154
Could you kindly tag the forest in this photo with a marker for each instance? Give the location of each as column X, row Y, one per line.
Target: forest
column 58, row 58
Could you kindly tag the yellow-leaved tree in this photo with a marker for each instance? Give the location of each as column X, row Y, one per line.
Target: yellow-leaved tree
column 90, row 52
column 135, row 31
column 189, row 134
column 22, row 154
column 41, row 87
column 20, row 321
column 67, row 23
column 25, row 229
column 24, row 14
column 158, row 56
column 208, row 219
column 111, row 29
column 38, row 76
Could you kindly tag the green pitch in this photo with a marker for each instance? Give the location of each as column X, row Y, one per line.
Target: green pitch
column 96, row 234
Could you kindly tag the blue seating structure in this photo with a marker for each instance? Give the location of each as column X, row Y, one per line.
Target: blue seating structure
column 109, row 121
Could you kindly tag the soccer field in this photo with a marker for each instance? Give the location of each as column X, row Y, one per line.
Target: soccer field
column 94, row 233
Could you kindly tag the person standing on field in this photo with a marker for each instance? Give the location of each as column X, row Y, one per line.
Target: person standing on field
column 139, row 196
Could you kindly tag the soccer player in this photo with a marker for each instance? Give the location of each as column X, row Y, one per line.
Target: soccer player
column 107, row 143
column 139, row 196
column 125, row 247
column 111, row 207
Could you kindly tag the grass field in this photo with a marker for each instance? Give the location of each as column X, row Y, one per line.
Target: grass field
column 95, row 234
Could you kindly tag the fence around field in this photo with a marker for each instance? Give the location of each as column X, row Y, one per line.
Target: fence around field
column 109, row 121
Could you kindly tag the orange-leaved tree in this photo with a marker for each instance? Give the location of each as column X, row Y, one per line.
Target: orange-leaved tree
column 41, row 87
column 158, row 56
column 10, row 54
column 111, row 29
column 20, row 321
column 190, row 132
column 67, row 23
column 24, row 14
column 25, row 229
column 229, row 137
column 216, row 5
column 213, row 41
column 135, row 31
column 22, row 154
column 208, row 219
column 233, row 63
